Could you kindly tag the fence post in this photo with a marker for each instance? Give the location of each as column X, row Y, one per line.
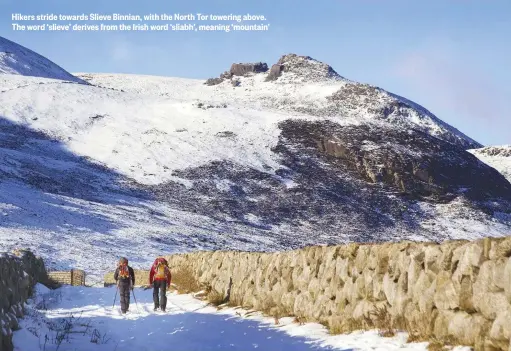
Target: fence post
column 72, row 277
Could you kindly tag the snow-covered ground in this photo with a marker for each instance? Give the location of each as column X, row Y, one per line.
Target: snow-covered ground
column 83, row 318
column 142, row 136
column 498, row 157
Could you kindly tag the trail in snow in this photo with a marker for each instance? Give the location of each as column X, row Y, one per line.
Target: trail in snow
column 187, row 325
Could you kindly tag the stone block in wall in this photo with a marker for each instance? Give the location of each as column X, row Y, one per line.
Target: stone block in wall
column 497, row 273
column 466, row 293
column 342, row 266
column 364, row 309
column 507, row 280
column 432, row 256
column 389, row 288
column 401, row 297
column 350, row 290
column 466, row 328
column 362, row 258
column 349, row 250
column 503, row 248
column 446, row 297
column 491, row 304
column 368, row 278
column 491, row 277
column 420, row 289
column 500, row 331
column 377, row 283
column 470, row 257
column 447, row 259
column 413, row 273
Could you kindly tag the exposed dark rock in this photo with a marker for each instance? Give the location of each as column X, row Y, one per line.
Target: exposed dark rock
column 213, row 81
column 226, row 134
column 306, row 68
column 204, row 106
column 502, row 151
column 226, row 75
column 275, row 72
column 242, row 69
column 239, row 69
column 410, row 161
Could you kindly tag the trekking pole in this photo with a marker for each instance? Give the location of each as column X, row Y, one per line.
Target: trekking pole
column 134, row 297
column 115, row 297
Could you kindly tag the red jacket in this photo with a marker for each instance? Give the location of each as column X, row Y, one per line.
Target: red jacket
column 153, row 271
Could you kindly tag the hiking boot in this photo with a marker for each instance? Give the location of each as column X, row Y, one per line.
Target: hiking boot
column 156, row 309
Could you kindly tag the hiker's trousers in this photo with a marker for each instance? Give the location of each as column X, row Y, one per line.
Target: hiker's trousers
column 160, row 294
column 124, row 294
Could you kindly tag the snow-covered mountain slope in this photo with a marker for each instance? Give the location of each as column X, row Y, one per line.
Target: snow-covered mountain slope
column 498, row 157
column 138, row 165
column 305, row 88
column 17, row 59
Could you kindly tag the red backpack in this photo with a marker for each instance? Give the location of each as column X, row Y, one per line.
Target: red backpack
column 161, row 268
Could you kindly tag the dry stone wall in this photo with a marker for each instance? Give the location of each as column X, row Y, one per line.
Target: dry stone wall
column 456, row 290
column 72, row 277
column 19, row 272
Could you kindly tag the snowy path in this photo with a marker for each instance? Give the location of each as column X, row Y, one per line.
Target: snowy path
column 187, row 325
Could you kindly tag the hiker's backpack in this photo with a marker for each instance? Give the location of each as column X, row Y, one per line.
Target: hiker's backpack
column 124, row 272
column 161, row 269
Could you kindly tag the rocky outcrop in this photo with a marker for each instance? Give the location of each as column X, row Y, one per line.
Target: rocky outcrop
column 456, row 290
column 275, row 72
column 240, row 70
column 302, row 69
column 213, row 81
column 19, row 272
column 502, row 151
column 305, row 68
column 410, row 161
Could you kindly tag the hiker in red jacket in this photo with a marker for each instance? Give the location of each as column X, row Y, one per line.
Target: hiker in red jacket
column 160, row 278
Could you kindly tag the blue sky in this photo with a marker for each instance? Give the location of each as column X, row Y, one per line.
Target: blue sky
column 451, row 56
